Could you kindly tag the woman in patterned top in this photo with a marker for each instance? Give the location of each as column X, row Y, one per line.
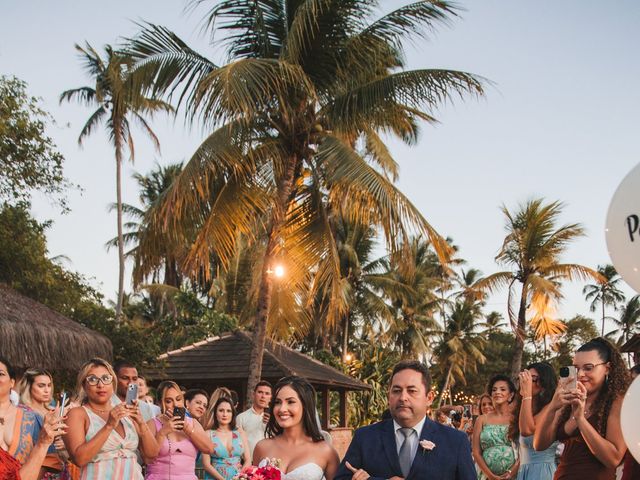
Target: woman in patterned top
column 495, row 432
column 103, row 439
column 230, row 445
column 23, row 444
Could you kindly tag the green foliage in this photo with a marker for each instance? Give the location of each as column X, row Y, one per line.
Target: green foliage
column 579, row 331
column 29, row 160
column 24, row 266
column 498, row 349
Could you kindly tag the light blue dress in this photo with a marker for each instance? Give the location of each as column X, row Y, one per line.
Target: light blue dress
column 536, row 465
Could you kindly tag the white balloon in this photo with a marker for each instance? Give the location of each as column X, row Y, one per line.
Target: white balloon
column 630, row 419
column 623, row 229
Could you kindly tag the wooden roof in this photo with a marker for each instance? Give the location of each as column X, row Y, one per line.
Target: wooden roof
column 226, row 358
column 33, row 335
column 632, row 345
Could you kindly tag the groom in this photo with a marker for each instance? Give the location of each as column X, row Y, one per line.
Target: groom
column 409, row 445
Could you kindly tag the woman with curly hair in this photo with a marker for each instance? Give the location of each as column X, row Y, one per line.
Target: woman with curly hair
column 587, row 418
column 494, row 433
column 538, row 383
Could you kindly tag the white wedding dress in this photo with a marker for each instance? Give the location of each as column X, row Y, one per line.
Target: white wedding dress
column 308, row 471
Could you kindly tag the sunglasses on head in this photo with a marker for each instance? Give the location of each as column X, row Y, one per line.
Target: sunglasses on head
column 93, row 380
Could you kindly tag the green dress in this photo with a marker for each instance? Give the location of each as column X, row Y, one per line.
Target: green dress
column 497, row 450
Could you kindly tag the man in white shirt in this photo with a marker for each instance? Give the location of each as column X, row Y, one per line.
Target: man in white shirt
column 254, row 420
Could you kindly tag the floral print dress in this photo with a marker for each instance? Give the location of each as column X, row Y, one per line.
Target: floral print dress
column 497, row 450
column 228, row 464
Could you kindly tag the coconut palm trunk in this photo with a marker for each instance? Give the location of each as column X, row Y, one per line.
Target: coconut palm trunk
column 603, row 302
column 118, row 145
column 516, row 360
column 266, row 278
column 445, row 384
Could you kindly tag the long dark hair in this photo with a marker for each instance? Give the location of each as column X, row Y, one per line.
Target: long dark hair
column 513, row 423
column 307, row 396
column 614, row 386
column 547, row 381
column 214, row 423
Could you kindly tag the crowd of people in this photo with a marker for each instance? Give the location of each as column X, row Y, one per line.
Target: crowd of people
column 536, row 428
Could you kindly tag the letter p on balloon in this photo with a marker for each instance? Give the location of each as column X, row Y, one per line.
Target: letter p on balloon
column 632, row 225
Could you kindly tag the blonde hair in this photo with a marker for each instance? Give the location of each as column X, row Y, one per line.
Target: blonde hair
column 26, row 382
column 84, row 372
column 162, row 390
column 209, row 416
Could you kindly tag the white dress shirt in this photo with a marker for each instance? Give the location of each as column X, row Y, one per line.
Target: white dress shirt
column 414, row 438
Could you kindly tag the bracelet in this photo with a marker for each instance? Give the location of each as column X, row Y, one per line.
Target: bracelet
column 527, row 398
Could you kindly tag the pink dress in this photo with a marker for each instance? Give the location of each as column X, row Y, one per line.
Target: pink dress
column 176, row 460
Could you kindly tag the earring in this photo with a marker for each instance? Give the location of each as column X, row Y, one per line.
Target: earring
column 606, row 379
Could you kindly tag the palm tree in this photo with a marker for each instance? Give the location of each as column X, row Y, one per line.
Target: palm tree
column 605, row 292
column 298, row 111
column 460, row 349
column 118, row 104
column 628, row 323
column 542, row 320
column 533, row 247
column 163, row 257
column 493, row 322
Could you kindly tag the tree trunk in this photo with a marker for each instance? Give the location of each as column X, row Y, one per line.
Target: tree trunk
column 603, row 317
column 266, row 281
column 118, row 145
column 516, row 359
column 345, row 339
column 445, row 385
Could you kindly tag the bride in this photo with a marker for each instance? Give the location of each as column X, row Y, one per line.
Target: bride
column 294, row 438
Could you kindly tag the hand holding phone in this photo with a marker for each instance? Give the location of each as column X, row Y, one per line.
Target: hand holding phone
column 569, row 375
column 179, row 414
column 132, row 394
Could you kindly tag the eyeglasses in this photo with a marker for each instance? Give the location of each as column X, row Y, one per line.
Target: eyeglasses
column 588, row 367
column 92, row 380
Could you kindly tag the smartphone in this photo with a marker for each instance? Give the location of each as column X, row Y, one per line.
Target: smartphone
column 467, row 411
column 570, row 376
column 132, row 394
column 63, row 403
column 179, row 412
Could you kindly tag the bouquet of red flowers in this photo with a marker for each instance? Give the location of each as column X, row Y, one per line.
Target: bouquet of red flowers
column 268, row 470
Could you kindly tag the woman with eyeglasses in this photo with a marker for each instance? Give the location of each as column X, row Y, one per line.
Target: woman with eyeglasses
column 586, row 419
column 36, row 393
column 537, row 385
column 23, row 441
column 103, row 438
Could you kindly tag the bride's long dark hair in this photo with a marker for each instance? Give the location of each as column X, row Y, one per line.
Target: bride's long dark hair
column 307, row 396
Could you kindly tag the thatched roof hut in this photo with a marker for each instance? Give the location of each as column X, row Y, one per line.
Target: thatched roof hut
column 31, row 334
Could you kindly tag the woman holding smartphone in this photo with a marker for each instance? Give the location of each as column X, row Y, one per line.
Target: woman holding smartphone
column 180, row 438
column 587, row 418
column 36, row 392
column 103, row 439
column 538, row 383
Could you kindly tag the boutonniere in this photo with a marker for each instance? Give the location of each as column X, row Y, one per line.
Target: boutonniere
column 427, row 445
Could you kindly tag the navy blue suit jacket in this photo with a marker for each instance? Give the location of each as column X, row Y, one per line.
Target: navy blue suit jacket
column 373, row 449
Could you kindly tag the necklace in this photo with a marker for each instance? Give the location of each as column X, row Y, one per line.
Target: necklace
column 4, row 415
column 97, row 410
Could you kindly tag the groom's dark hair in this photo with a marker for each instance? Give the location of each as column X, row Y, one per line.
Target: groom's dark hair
column 418, row 367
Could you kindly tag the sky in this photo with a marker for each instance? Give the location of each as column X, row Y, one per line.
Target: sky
column 559, row 121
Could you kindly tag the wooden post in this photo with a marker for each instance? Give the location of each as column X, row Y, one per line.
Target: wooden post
column 344, row 417
column 326, row 408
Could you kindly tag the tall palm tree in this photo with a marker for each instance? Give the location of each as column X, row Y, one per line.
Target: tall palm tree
column 606, row 292
column 533, row 247
column 118, row 105
column 543, row 321
column 628, row 323
column 298, row 110
column 159, row 257
column 493, row 322
column 460, row 349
